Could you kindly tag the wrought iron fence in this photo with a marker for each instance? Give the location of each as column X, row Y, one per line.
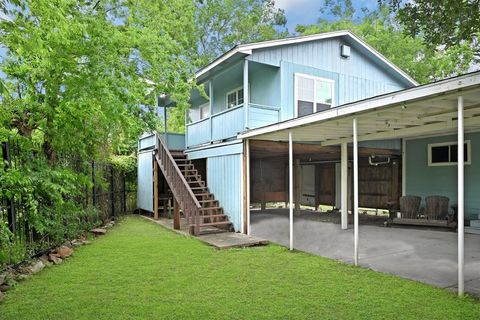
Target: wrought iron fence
column 113, row 193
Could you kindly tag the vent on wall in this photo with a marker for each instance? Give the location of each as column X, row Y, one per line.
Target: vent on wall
column 345, row 51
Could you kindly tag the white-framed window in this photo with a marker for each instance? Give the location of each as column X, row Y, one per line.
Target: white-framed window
column 204, row 110
column 446, row 153
column 234, row 98
column 313, row 94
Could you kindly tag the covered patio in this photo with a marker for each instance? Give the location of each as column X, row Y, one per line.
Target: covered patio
column 448, row 107
column 428, row 256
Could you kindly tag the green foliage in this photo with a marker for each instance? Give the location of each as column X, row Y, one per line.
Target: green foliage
column 380, row 30
column 80, row 77
column 222, row 24
column 124, row 163
column 456, row 23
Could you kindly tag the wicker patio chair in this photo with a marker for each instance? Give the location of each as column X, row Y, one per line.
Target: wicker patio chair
column 409, row 206
column 436, row 207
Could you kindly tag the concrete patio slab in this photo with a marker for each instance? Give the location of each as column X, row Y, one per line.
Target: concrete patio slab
column 424, row 255
column 212, row 237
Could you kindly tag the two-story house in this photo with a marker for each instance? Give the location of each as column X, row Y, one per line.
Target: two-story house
column 259, row 84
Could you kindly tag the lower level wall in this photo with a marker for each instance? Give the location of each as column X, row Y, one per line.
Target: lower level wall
column 423, row 180
column 145, row 181
column 224, row 180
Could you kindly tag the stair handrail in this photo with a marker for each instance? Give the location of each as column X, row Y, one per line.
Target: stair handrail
column 178, row 184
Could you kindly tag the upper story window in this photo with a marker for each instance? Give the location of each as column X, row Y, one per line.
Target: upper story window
column 312, row 94
column 235, row 98
column 446, row 153
column 204, row 110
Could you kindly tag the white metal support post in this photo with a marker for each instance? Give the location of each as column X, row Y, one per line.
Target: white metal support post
column 344, row 185
column 246, row 93
column 355, row 191
column 247, row 151
column 290, row 185
column 460, row 201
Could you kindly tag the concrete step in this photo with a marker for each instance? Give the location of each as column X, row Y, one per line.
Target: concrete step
column 475, row 223
column 472, row 230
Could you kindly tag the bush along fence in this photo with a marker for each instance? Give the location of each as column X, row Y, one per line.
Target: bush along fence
column 42, row 206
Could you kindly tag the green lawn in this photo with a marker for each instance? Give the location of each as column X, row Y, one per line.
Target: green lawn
column 141, row 271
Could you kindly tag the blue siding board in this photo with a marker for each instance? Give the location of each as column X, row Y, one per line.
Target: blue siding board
column 215, row 151
column 225, row 182
column 198, row 132
column 423, row 180
column 228, row 124
column 145, row 181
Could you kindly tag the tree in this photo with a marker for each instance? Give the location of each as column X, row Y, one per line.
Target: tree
column 381, row 30
column 447, row 23
column 222, row 24
column 76, row 70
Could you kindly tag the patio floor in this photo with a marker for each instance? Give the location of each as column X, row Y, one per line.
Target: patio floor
column 424, row 255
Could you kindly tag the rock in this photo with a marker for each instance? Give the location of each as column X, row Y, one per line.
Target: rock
column 99, row 231
column 55, row 258
column 45, row 260
column 20, row 277
column 84, row 242
column 24, row 270
column 36, row 266
column 64, row 252
column 2, row 278
column 5, row 287
column 76, row 243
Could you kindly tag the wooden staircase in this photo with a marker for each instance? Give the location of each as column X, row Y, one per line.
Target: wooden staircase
column 202, row 212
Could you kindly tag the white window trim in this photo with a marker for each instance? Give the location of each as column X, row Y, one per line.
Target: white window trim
column 295, row 91
column 236, row 97
column 442, row 144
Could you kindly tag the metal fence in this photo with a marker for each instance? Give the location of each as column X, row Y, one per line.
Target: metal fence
column 113, row 193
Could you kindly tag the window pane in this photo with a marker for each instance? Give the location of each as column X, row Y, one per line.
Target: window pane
column 204, row 112
column 232, row 100
column 324, row 92
column 304, row 108
column 323, row 106
column 305, row 89
column 454, row 153
column 440, row 154
column 240, row 97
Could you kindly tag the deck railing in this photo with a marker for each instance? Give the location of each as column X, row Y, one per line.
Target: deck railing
column 229, row 123
column 181, row 190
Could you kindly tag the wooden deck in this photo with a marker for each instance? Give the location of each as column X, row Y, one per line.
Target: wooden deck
column 214, row 237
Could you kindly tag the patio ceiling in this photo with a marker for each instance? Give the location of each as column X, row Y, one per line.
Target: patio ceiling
column 423, row 110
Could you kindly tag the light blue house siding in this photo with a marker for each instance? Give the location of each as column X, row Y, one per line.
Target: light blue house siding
column 224, row 176
column 424, row 180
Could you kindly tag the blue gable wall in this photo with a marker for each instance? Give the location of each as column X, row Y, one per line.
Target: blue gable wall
column 356, row 78
column 423, row 180
column 325, row 55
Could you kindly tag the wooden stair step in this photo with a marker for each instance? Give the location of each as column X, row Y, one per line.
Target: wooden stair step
column 212, row 216
column 213, row 224
column 199, row 188
column 211, row 208
column 209, row 200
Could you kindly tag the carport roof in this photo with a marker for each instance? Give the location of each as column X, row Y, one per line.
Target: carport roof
column 422, row 110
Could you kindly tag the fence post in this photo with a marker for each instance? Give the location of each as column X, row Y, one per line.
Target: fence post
column 112, row 191
column 94, row 195
column 124, row 194
column 12, row 223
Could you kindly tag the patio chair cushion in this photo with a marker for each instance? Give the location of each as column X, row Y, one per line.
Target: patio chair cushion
column 409, row 206
column 436, row 207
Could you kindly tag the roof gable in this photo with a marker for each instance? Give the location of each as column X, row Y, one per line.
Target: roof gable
column 240, row 51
